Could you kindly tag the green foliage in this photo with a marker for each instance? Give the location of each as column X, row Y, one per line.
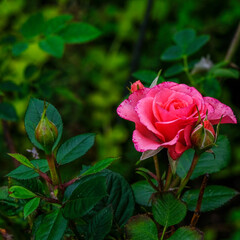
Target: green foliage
column 22, row 159
column 142, row 193
column 141, row 225
column 20, row 192
column 23, row 172
column 18, row 48
column 168, row 210
column 84, row 197
column 74, row 148
column 146, row 76
column 54, row 45
column 33, row 116
column 186, row 233
column 99, row 166
column 79, row 33
column 31, row 206
column 213, row 197
column 174, row 70
column 7, row 112
column 52, row 226
column 207, row 162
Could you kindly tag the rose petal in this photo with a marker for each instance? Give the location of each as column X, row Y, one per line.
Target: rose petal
column 216, row 109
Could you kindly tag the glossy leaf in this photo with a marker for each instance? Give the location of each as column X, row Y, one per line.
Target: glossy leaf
column 174, row 70
column 31, row 206
column 196, row 44
column 84, row 197
column 207, row 162
column 99, row 166
column 33, row 116
column 75, row 148
column 142, row 193
column 146, row 76
column 79, row 33
column 186, row 233
column 139, row 226
column 214, row 197
column 20, row 192
column 33, row 26
column 225, row 73
column 7, row 112
column 172, row 53
column 101, row 224
column 52, row 226
column 56, row 24
column 53, row 45
column 22, row 159
column 185, row 37
column 23, row 172
column 168, row 210
column 18, row 48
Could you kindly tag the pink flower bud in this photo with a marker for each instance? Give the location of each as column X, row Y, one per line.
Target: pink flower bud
column 203, row 137
column 136, row 86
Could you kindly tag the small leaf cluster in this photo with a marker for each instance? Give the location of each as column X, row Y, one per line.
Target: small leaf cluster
column 91, row 205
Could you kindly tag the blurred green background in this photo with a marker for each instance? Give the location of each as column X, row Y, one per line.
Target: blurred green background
column 89, row 81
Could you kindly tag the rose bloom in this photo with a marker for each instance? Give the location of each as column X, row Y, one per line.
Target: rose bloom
column 166, row 114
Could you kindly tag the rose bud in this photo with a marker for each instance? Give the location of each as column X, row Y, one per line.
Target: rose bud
column 46, row 132
column 203, row 137
column 136, row 86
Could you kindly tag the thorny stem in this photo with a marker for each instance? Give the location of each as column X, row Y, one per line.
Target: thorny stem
column 189, row 174
column 234, row 45
column 52, row 167
column 157, row 169
column 196, row 214
column 186, row 69
column 168, row 179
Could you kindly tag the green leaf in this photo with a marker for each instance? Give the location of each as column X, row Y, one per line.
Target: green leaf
column 33, row 116
column 20, row 192
column 185, row 37
column 146, row 76
column 139, row 226
column 22, row 159
column 99, row 166
column 142, row 193
column 9, row 86
column 84, row 197
column 174, row 70
column 172, row 53
column 120, row 197
column 8, row 205
column 7, row 112
column 52, row 227
column 33, row 26
column 53, row 45
column 56, row 24
column 101, row 224
column 34, row 185
column 30, row 71
column 225, row 73
column 195, row 45
column 168, row 210
column 79, row 33
column 23, row 172
column 186, row 233
column 207, row 163
column 31, row 206
column 214, row 197
column 18, row 48
column 75, row 148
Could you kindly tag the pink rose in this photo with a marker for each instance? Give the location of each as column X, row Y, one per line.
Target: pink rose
column 166, row 114
column 136, row 86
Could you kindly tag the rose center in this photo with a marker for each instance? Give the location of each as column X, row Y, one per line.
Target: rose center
column 175, row 104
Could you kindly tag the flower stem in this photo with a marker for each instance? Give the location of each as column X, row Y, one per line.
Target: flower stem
column 52, row 167
column 196, row 214
column 157, row 169
column 168, row 179
column 186, row 69
column 163, row 233
column 189, row 174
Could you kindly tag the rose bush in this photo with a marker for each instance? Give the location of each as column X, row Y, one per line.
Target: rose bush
column 166, row 114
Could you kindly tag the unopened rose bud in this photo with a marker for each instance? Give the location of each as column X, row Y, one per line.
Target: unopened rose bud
column 46, row 132
column 203, row 137
column 136, row 86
